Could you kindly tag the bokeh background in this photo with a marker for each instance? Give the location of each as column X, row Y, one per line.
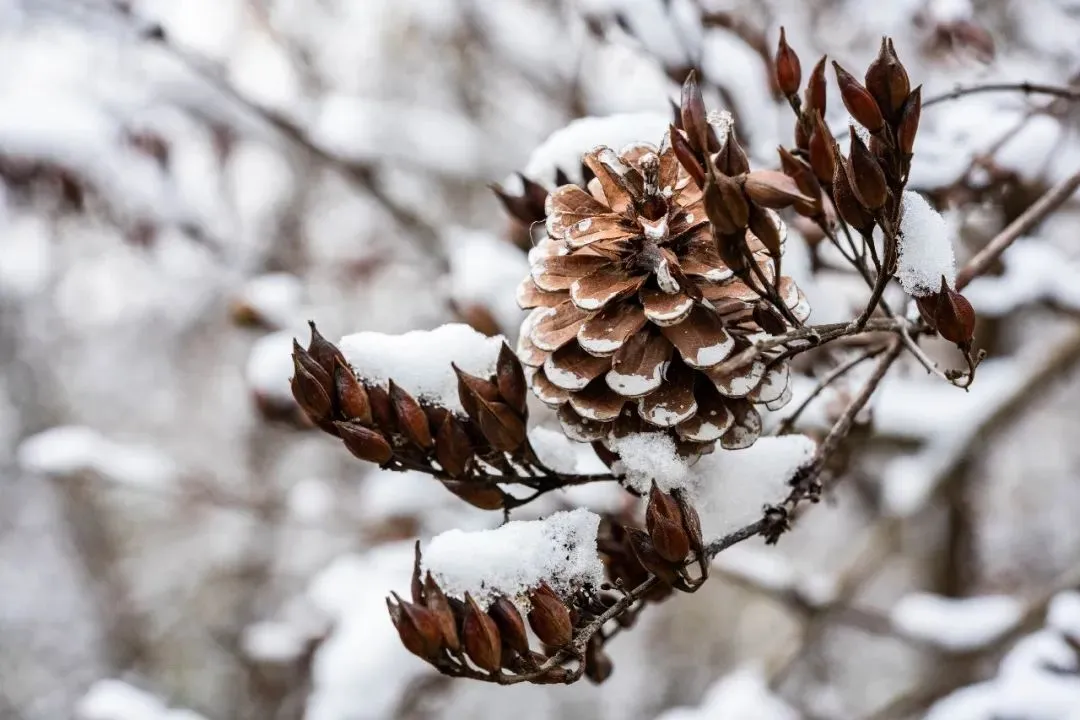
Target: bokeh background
column 184, row 184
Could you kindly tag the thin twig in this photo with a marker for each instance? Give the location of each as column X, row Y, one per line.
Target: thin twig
column 1024, row 87
column 789, row 422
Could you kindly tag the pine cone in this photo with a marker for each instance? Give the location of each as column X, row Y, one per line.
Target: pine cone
column 634, row 310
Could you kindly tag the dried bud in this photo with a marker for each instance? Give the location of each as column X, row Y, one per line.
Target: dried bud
column 549, row 618
column 323, row 351
column 909, row 122
column 803, row 175
column 691, row 523
column 528, row 207
column 481, row 636
column 309, row 390
column 410, row 416
column 665, row 524
column 352, row 399
column 815, row 89
column 417, row 627
column 452, row 447
column 694, row 116
column 364, row 443
column 858, row 100
column 788, row 69
column 416, row 586
column 436, row 602
column 598, row 666
column 765, row 228
column 479, row 495
column 511, row 625
column 511, row 380
column 773, row 189
column 953, row 317
column 847, row 205
column 822, row 159
column 732, row 160
column 869, row 184
column 471, row 387
column 686, row 156
column 725, row 205
column 650, row 559
column 382, row 409
column 887, row 80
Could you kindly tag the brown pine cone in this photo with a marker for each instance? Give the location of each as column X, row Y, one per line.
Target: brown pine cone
column 633, row 310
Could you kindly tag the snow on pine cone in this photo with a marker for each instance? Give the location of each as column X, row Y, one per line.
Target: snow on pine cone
column 616, row 340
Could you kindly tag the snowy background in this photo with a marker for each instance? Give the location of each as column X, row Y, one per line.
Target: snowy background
column 184, row 184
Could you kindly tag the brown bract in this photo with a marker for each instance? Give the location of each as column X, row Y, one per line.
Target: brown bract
column 634, row 310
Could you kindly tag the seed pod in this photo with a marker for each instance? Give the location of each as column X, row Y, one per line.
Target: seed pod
column 479, row 495
column 352, row 399
column 417, row 627
column 954, row 318
column 382, row 409
column 686, row 156
column 364, row 443
column 732, row 160
column 511, row 380
column 822, row 159
column 815, row 89
column 858, row 100
column 887, row 80
column 471, row 387
column 847, row 205
column 528, row 207
column 665, row 524
column 868, row 179
column 308, row 390
column 909, row 122
column 694, row 116
column 411, row 418
column 766, row 230
column 772, row 189
column 481, row 636
column 436, row 602
column 788, row 68
column 452, row 447
column 650, row 559
column 511, row 625
column 549, row 618
column 323, row 351
column 598, row 666
column 803, row 175
column 725, row 205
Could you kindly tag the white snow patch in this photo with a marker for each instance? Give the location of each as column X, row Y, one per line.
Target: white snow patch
column 1063, row 614
column 516, row 557
column 117, row 700
column 956, row 624
column 565, row 147
column 275, row 298
column 273, row 642
column 420, row 361
column 486, row 271
column 926, row 252
column 270, row 366
column 649, row 456
column 1034, row 270
column 741, row 695
column 69, row 449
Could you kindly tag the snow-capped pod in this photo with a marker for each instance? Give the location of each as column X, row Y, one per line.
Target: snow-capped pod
column 549, row 618
column 382, row 409
column 732, row 159
column 411, row 419
column 510, row 623
column 481, row 637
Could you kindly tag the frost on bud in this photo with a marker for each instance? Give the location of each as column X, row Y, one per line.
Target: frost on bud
column 364, row 443
column 822, row 157
column 410, row 417
column 908, row 123
column 352, row 399
column 887, row 80
column 664, row 521
column 694, row 116
column 950, row 313
column 725, row 205
column 847, row 205
column 788, row 69
column 511, row 625
column 858, row 100
column 436, row 602
column 452, row 447
column 816, row 89
column 481, row 637
column 773, row 189
column 868, row 179
column 549, row 617
column 417, row 627
column 511, row 380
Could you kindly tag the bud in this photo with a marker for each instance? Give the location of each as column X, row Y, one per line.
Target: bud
column 815, row 89
column 549, row 617
column 511, row 380
column 765, row 229
column 887, row 80
column 436, row 602
column 664, row 522
column 725, row 205
column 352, row 399
column 481, row 636
column 511, row 625
column 694, row 116
column 804, row 178
column 691, row 523
column 788, row 69
column 822, row 159
column 382, row 410
column 478, row 494
column 858, row 100
column 732, row 160
column 909, row 122
column 949, row 313
column 650, row 559
column 847, row 205
column 686, row 156
column 528, row 207
column 471, row 387
column 410, row 417
column 452, row 447
column 417, row 628
column 773, row 189
column 868, row 178
column 323, row 351
column 308, row 389
column 364, row 443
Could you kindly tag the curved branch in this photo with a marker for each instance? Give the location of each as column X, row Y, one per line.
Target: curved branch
column 1026, row 88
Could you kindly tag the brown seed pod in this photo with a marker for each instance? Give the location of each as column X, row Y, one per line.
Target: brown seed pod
column 417, row 627
column 511, row 625
column 549, row 617
column 822, row 158
column 365, row 443
column 411, row 418
column 773, row 189
column 452, row 447
column 908, row 125
column 436, row 602
column 858, row 100
column 665, row 524
column 868, row 179
column 510, row 378
column 323, row 351
column 887, row 80
column 788, row 68
column 481, row 637
column 352, row 399
column 694, row 119
column 816, row 89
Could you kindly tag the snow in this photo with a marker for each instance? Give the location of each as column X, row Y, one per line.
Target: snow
column 117, row 700
column 1063, row 614
column 270, row 366
column 651, row 456
column 516, row 557
column 272, row 642
column 926, row 252
column 956, row 624
column 769, row 570
column 274, row 298
column 310, row 500
column 69, row 449
column 486, row 271
column 420, row 361
column 741, row 695
column 565, row 147
column 1035, row 271
column 563, row 455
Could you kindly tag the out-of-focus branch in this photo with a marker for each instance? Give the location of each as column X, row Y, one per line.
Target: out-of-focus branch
column 832, row 376
column 1026, row 88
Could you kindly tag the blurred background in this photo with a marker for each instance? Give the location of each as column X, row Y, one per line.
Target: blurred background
column 183, row 185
